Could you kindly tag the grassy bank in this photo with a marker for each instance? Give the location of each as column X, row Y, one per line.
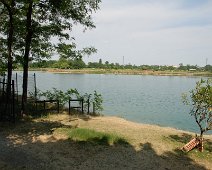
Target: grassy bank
column 82, row 142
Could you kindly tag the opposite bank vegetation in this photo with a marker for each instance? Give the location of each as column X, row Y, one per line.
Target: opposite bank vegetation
column 124, row 72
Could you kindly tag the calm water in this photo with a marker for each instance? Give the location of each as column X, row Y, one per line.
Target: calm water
column 143, row 99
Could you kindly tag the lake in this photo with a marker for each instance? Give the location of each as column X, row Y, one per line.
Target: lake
column 138, row 98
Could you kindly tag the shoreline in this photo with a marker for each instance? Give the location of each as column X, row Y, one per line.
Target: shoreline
column 124, row 121
column 164, row 126
column 148, row 123
column 46, row 143
column 125, row 72
column 152, row 126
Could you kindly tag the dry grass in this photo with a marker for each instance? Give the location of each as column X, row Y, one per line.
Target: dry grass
column 41, row 144
column 129, row 72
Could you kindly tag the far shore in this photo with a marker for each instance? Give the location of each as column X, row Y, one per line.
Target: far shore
column 125, row 72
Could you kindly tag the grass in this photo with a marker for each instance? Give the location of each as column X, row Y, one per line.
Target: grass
column 92, row 136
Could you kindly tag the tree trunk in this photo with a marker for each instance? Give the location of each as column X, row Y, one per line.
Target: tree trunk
column 10, row 9
column 201, row 142
column 10, row 59
column 28, row 41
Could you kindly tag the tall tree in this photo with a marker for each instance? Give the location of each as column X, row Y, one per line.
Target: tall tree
column 28, row 41
column 38, row 21
column 9, row 10
column 52, row 18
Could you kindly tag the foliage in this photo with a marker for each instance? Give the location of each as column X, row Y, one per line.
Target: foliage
column 97, row 101
column 87, row 99
column 56, row 94
column 49, row 19
column 63, row 97
column 78, row 63
column 201, row 103
column 67, row 51
column 62, row 64
column 28, row 27
column 43, row 64
column 208, row 68
column 2, row 67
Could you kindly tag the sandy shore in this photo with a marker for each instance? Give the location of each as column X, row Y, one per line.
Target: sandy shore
column 37, row 145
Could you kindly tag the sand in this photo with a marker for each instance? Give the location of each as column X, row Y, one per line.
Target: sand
column 37, row 145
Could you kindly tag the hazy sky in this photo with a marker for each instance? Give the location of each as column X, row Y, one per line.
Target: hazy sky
column 165, row 32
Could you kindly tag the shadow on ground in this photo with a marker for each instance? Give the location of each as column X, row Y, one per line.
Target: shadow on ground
column 69, row 154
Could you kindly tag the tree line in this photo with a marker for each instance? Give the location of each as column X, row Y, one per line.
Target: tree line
column 78, row 63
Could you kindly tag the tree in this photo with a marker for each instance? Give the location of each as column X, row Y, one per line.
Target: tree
column 40, row 21
column 78, row 63
column 73, row 57
column 7, row 13
column 28, row 41
column 201, row 106
column 208, row 68
column 100, row 63
column 2, row 66
column 62, row 64
column 69, row 51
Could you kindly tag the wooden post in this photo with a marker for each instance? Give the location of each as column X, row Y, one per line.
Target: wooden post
column 3, row 89
column 94, row 108
column 16, row 79
column 0, row 87
column 88, row 106
column 82, row 105
column 69, row 107
column 58, row 106
column 13, row 100
column 35, row 87
column 1, row 97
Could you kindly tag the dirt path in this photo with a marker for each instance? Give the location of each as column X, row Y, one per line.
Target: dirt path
column 35, row 145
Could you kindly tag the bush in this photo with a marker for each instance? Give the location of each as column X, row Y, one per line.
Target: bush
column 63, row 97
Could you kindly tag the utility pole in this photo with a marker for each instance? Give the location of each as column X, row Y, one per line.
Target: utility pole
column 123, row 61
column 206, row 61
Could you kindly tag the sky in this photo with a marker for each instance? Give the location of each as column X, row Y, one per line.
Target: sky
column 153, row 32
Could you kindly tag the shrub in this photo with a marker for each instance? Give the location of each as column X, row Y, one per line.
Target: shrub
column 63, row 97
column 200, row 100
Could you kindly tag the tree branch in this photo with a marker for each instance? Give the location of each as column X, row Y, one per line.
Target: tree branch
column 196, row 119
column 6, row 5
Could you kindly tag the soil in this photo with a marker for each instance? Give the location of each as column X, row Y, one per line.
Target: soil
column 36, row 144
